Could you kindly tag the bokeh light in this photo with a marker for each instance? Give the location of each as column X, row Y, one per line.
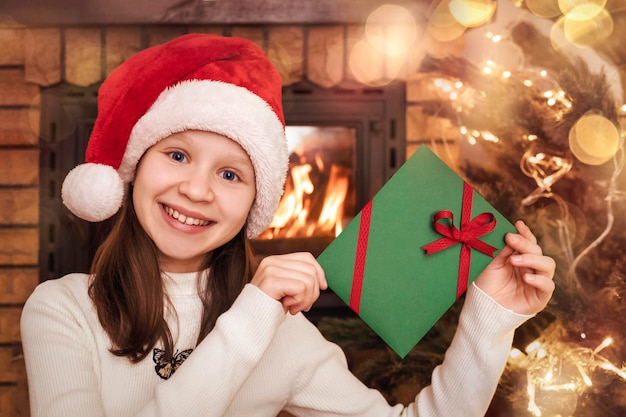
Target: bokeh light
column 544, row 8
column 443, row 33
column 557, row 36
column 287, row 62
column 442, row 26
column 334, row 63
column 574, row 221
column 581, row 9
column 391, row 29
column 590, row 31
column 472, row 13
column 365, row 63
column 594, row 139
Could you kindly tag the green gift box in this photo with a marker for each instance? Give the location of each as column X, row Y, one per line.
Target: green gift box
column 413, row 249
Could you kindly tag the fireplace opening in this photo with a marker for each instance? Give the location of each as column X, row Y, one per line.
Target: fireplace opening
column 344, row 145
column 320, row 193
column 322, row 157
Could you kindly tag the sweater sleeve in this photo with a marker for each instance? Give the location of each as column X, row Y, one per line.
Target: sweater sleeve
column 60, row 357
column 57, row 351
column 462, row 386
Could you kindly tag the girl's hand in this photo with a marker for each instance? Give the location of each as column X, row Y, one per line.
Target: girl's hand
column 520, row 277
column 294, row 279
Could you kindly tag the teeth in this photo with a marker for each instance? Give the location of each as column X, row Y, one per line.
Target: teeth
column 184, row 219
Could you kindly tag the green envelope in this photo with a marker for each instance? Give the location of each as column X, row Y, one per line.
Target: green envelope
column 379, row 264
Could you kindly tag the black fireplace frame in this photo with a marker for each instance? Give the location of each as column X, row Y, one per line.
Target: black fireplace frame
column 377, row 114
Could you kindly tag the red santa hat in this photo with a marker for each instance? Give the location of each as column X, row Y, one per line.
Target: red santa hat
column 225, row 85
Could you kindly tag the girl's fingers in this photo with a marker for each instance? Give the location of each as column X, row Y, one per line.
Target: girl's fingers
column 321, row 276
column 293, row 279
column 541, row 265
column 525, row 231
column 542, row 283
column 305, row 260
column 522, row 244
column 297, row 296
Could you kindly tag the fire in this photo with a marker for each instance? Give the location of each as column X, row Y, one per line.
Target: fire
column 291, row 206
column 332, row 211
column 302, row 212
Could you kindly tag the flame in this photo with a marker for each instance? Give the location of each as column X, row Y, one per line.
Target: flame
column 292, row 204
column 298, row 206
column 332, row 211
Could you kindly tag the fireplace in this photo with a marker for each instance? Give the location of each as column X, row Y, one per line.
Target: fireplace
column 344, row 144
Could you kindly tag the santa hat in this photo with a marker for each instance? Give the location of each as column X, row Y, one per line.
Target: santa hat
column 224, row 85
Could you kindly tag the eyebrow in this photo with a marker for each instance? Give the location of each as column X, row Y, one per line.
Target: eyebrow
column 235, row 158
column 181, row 136
column 238, row 160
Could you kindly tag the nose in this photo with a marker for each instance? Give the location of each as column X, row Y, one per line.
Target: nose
column 197, row 186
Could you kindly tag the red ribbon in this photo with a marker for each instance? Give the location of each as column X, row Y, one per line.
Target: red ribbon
column 468, row 235
column 359, row 259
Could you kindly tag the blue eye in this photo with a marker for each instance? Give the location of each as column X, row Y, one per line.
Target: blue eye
column 177, row 156
column 229, row 175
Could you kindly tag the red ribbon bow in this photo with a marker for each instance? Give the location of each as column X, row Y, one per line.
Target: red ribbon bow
column 468, row 235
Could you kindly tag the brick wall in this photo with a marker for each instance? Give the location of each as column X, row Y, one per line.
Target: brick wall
column 19, row 214
column 36, row 58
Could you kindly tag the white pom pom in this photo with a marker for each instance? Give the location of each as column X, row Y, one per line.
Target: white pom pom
column 93, row 192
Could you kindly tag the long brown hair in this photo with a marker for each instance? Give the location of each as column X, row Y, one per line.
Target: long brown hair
column 127, row 287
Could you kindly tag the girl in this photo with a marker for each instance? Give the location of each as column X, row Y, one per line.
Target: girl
column 174, row 319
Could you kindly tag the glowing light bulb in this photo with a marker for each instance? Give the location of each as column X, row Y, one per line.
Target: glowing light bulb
column 533, row 346
column 605, row 343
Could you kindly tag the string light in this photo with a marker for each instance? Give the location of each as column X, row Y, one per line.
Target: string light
column 554, row 366
column 546, row 170
column 555, row 370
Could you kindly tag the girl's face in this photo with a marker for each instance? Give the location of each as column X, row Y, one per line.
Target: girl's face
column 192, row 194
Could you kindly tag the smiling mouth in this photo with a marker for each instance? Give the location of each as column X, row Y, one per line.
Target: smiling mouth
column 190, row 221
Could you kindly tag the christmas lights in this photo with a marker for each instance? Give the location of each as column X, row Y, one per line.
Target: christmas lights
column 554, row 367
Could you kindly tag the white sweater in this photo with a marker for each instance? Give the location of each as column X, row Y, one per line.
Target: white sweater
column 257, row 361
